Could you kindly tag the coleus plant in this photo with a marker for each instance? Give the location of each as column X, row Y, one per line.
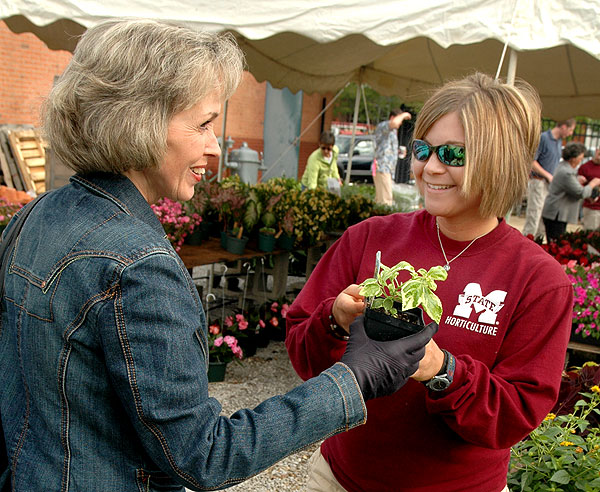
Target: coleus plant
column 386, row 289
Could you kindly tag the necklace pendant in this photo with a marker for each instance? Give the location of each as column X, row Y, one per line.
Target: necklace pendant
column 447, row 267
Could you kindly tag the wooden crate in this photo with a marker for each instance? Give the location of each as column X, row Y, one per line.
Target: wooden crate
column 28, row 149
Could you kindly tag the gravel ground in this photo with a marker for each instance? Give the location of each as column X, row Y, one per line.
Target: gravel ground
column 266, row 374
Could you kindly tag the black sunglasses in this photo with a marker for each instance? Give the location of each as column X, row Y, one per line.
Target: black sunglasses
column 451, row 155
column 327, row 147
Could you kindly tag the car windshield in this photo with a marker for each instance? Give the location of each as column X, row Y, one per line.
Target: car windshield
column 362, row 146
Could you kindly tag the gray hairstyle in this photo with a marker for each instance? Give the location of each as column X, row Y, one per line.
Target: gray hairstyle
column 110, row 109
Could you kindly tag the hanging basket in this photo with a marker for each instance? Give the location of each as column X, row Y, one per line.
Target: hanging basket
column 383, row 327
column 216, row 371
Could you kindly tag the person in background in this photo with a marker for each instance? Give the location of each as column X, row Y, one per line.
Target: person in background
column 386, row 155
column 566, row 192
column 492, row 372
column 322, row 164
column 591, row 207
column 103, row 340
column 543, row 166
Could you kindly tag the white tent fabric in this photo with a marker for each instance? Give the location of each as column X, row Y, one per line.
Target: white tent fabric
column 400, row 47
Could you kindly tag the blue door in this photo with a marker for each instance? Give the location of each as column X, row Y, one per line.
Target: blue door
column 283, row 118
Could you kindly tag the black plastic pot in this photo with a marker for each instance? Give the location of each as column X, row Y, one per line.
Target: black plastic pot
column 383, row 327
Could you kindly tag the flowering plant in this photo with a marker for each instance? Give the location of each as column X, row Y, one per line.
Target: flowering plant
column 7, row 210
column 585, row 280
column 562, row 454
column 222, row 348
column 581, row 246
column 174, row 220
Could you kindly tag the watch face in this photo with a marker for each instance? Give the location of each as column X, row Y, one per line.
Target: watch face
column 438, row 383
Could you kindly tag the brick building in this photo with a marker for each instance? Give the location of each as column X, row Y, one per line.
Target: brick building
column 29, row 69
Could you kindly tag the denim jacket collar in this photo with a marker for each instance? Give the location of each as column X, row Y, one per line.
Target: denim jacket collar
column 123, row 193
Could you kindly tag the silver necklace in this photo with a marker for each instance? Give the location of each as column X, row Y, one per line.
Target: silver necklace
column 447, row 265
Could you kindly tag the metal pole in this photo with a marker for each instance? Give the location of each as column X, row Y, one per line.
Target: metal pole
column 354, row 122
column 512, row 68
column 223, row 142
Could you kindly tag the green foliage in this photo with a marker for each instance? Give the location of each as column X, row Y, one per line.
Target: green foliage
column 378, row 106
column 386, row 289
column 562, row 454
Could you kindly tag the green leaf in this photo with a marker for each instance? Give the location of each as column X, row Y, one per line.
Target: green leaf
column 437, row 273
column 561, row 476
column 432, row 305
column 370, row 288
column 388, row 304
column 377, row 303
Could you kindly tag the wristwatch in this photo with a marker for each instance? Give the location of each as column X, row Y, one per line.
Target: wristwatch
column 443, row 379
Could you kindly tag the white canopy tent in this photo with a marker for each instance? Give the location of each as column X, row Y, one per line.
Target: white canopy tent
column 401, row 47
column 397, row 47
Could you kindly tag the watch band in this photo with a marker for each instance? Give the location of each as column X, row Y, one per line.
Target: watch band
column 443, row 379
column 337, row 331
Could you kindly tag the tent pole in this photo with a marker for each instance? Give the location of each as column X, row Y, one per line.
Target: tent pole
column 512, row 68
column 354, row 122
column 223, row 143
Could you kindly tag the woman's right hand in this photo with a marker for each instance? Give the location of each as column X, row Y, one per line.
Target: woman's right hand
column 347, row 306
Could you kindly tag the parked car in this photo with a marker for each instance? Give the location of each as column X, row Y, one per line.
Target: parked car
column 362, row 157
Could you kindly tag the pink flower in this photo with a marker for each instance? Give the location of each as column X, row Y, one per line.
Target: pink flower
column 218, row 342
column 231, row 341
column 261, row 323
column 229, row 321
column 242, row 325
column 274, row 307
column 284, row 310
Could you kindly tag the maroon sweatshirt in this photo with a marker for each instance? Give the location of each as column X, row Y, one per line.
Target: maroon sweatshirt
column 507, row 318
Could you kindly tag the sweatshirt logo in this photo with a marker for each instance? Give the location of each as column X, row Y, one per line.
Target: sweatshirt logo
column 487, row 307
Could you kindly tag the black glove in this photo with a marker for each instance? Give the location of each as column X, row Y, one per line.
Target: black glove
column 382, row 368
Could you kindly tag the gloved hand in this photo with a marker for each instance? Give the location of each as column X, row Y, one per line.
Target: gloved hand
column 382, row 368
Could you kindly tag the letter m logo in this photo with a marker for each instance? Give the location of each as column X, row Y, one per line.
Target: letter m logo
column 488, row 306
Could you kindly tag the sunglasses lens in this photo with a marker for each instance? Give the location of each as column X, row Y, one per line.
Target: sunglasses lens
column 452, row 155
column 421, row 150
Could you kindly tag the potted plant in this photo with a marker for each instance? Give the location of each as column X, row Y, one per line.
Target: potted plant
column 201, row 205
column 563, row 453
column 393, row 306
column 237, row 325
column 7, row 210
column 586, row 302
column 222, row 349
column 176, row 223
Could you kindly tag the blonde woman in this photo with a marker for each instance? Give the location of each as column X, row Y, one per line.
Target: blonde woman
column 493, row 370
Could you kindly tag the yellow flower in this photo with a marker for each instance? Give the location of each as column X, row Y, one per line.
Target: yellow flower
column 595, row 389
column 579, row 449
column 567, row 443
column 572, row 431
column 550, row 416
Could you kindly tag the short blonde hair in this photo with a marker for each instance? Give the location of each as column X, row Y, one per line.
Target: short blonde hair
column 502, row 132
column 111, row 108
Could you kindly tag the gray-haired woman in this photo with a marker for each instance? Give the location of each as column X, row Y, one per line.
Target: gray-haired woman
column 566, row 192
column 103, row 348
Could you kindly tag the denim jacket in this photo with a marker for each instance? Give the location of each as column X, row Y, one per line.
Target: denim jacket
column 103, row 357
